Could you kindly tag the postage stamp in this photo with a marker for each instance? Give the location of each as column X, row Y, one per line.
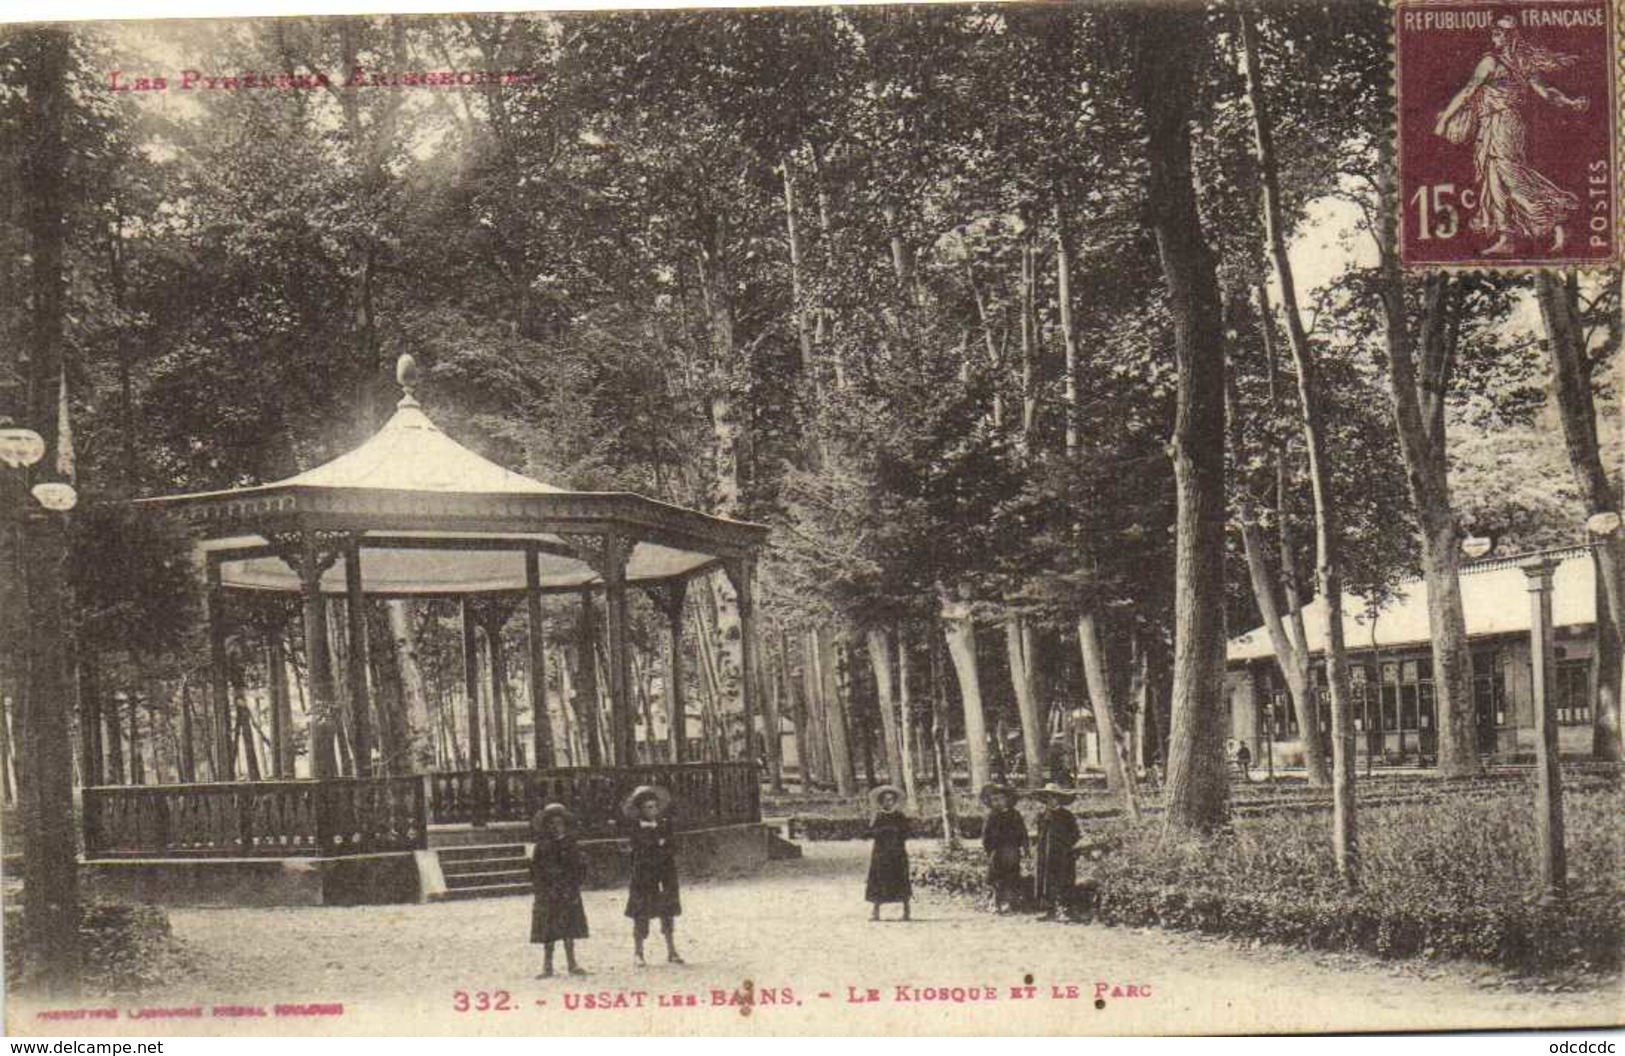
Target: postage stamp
column 1508, row 134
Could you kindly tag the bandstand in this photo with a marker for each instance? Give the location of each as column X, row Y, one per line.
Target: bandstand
column 413, row 514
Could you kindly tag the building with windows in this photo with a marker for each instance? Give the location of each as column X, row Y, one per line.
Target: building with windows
column 1391, row 668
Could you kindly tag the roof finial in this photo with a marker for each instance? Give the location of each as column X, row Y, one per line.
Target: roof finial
column 406, row 374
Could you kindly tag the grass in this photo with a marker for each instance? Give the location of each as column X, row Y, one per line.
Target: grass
column 1451, row 876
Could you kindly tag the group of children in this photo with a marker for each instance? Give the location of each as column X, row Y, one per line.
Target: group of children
column 558, row 868
column 1004, row 839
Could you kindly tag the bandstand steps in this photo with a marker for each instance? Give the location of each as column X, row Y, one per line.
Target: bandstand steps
column 484, row 872
column 459, row 894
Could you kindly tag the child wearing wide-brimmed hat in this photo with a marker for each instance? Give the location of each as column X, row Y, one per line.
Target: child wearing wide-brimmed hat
column 652, row 892
column 1055, row 867
column 1004, row 838
column 888, row 879
column 557, row 870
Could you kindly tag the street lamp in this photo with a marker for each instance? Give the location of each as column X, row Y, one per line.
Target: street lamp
column 21, row 448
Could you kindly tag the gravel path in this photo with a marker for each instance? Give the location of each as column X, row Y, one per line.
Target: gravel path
column 798, row 932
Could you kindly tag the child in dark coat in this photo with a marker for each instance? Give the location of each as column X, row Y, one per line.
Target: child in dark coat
column 1004, row 838
column 557, row 869
column 1055, row 866
column 888, row 862
column 653, row 890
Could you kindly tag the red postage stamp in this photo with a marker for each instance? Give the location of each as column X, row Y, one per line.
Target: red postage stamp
column 1508, row 130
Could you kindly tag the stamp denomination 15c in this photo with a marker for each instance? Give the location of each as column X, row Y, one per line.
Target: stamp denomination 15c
column 1508, row 131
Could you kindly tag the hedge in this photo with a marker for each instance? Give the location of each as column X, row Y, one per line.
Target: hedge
column 1452, row 877
column 125, row 948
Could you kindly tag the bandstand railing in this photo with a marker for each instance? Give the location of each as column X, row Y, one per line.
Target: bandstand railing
column 349, row 816
column 704, row 795
column 256, row 819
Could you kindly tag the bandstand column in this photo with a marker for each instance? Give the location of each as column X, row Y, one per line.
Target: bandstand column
column 225, row 754
column 309, row 562
column 355, row 609
column 742, row 572
column 471, row 685
column 620, row 671
column 587, row 678
column 542, row 734
column 676, row 705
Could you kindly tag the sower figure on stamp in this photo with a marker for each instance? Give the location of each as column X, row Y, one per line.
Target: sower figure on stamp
column 1004, row 838
column 888, row 862
column 557, row 870
column 1055, row 867
column 1493, row 109
column 653, row 890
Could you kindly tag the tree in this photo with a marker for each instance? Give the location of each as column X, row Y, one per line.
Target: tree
column 1328, row 522
column 1163, row 44
column 1575, row 354
column 50, row 866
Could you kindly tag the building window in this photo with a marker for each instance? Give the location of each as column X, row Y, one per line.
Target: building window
column 1278, row 718
column 1364, row 701
column 1390, row 696
column 1572, row 692
column 1489, row 693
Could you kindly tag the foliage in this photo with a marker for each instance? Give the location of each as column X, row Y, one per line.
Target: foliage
column 1453, row 876
column 127, row 948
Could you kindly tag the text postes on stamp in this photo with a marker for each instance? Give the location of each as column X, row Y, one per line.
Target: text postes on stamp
column 1507, row 133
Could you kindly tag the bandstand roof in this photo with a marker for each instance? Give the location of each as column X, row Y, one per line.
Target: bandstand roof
column 434, row 518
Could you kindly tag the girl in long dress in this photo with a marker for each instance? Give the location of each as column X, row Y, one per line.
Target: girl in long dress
column 557, row 870
column 888, row 879
column 1055, row 867
column 653, row 892
column 1514, row 199
column 1004, row 838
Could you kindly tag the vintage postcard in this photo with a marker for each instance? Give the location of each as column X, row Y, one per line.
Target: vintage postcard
column 934, row 519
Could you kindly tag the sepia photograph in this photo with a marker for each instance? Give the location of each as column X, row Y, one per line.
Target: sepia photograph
column 888, row 520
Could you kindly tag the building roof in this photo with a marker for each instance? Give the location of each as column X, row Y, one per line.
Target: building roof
column 435, row 518
column 1494, row 596
column 410, row 453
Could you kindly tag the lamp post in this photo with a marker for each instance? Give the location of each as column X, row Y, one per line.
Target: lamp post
column 51, row 901
column 1548, row 780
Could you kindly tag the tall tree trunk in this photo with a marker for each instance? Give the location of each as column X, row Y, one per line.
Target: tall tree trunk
column 1197, row 785
column 138, row 771
column 1069, row 337
column 245, row 727
column 1098, row 676
column 1288, row 636
column 960, row 631
column 772, row 720
column 1416, row 393
column 1328, row 524
column 187, row 756
column 943, row 763
column 837, row 725
column 1570, row 382
column 816, row 764
column 420, row 747
column 880, row 659
column 1019, row 645
column 905, row 721
column 90, row 717
column 50, row 871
